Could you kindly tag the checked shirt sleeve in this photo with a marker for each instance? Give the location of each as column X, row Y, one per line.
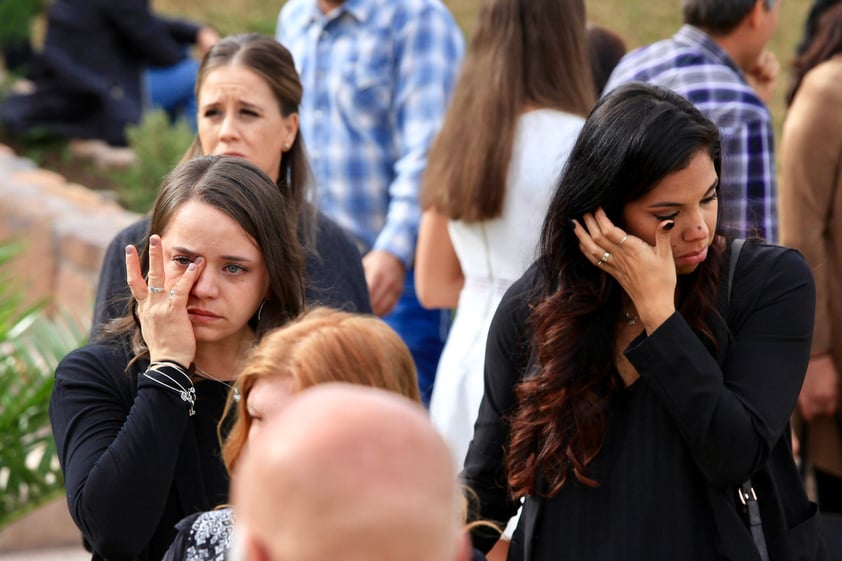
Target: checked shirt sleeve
column 429, row 48
column 748, row 178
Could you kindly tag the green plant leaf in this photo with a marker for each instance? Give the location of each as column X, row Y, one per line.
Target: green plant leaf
column 158, row 146
column 31, row 345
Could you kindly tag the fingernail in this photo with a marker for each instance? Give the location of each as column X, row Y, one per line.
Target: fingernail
column 128, row 249
column 191, row 266
column 669, row 225
column 572, row 224
column 198, row 261
column 153, row 241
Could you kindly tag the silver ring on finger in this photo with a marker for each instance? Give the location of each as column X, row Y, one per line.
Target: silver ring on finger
column 156, row 289
column 172, row 294
column 625, row 237
column 604, row 259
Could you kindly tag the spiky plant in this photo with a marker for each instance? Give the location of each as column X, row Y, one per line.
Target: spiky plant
column 31, row 344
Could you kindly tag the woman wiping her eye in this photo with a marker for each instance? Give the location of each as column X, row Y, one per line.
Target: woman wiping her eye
column 135, row 415
column 637, row 375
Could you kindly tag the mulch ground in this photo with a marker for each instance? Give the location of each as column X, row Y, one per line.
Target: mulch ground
column 52, row 155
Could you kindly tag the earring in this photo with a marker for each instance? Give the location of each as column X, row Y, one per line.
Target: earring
column 260, row 309
column 287, row 146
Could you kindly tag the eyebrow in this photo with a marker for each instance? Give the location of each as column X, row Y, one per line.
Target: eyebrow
column 191, row 253
column 665, row 204
column 244, row 103
column 250, row 105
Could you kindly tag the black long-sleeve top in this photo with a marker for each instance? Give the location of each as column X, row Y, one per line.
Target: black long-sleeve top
column 134, row 461
column 698, row 422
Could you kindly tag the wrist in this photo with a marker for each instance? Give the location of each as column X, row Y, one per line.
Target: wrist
column 173, row 378
column 654, row 318
column 181, row 360
column 186, row 367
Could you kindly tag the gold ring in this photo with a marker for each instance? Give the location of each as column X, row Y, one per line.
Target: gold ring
column 604, row 259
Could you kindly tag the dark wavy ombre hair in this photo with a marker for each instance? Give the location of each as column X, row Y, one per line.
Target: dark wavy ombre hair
column 634, row 137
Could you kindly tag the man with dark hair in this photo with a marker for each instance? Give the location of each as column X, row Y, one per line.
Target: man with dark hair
column 718, row 60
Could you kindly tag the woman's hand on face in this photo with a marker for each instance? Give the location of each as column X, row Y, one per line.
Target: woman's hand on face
column 162, row 311
column 646, row 273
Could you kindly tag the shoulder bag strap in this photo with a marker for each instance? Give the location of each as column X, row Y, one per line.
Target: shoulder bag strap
column 746, row 492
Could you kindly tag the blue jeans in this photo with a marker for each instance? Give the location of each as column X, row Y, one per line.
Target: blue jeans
column 172, row 89
column 424, row 332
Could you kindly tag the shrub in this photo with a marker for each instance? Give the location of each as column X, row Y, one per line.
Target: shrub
column 30, row 347
column 158, row 146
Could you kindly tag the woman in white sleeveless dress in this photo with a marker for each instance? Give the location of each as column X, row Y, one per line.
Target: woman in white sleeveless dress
column 517, row 108
column 492, row 254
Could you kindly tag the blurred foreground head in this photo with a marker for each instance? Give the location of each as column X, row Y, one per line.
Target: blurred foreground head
column 349, row 473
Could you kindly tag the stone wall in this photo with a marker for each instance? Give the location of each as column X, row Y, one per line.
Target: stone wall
column 64, row 229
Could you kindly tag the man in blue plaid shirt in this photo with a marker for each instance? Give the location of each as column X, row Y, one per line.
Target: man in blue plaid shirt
column 377, row 76
column 718, row 61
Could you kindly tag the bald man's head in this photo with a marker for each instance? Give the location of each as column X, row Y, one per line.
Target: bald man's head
column 348, row 473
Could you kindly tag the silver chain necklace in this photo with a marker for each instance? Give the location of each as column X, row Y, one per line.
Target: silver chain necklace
column 204, row 374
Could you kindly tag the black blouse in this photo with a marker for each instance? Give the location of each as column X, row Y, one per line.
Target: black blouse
column 695, row 425
column 134, row 461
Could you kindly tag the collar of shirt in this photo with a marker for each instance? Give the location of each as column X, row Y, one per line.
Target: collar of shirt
column 360, row 10
column 693, row 37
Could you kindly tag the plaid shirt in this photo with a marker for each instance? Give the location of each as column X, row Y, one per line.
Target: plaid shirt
column 694, row 66
column 377, row 77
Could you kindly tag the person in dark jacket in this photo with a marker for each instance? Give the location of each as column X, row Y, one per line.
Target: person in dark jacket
column 89, row 80
column 637, row 376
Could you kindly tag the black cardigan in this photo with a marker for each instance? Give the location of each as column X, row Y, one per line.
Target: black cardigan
column 134, row 461
column 679, row 441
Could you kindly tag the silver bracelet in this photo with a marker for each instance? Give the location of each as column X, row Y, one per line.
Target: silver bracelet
column 174, row 365
column 186, row 394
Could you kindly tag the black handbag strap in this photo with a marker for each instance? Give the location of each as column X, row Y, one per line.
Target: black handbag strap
column 736, row 249
column 755, row 524
column 746, row 491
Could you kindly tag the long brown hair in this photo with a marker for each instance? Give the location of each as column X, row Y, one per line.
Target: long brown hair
column 636, row 136
column 826, row 42
column 322, row 345
column 248, row 196
column 523, row 53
